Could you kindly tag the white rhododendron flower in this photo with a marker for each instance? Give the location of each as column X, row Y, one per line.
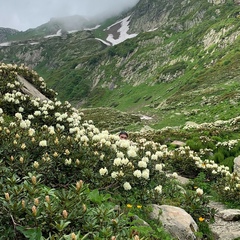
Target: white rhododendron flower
column 145, row 159
column 131, row 153
column 1, row 120
column 117, row 162
column 68, row 161
column 145, row 173
column 154, row 157
column 148, row 153
column 31, row 132
column 158, row 189
column 30, row 116
column 127, row 186
column 84, row 138
column 96, row 138
column 120, row 154
column 214, row 172
column 137, row 173
column 21, row 109
column 199, row 191
column 142, row 164
column 43, row 143
column 175, row 175
column 51, row 130
column 124, row 144
column 125, row 161
column 114, row 174
column 37, row 113
column 159, row 167
column 103, row 171
column 18, row 115
column 23, row 124
column 159, row 154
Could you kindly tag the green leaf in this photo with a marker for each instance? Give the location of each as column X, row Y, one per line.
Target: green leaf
column 31, row 233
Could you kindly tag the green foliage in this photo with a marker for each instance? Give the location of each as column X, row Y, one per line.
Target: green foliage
column 171, row 69
column 195, row 144
column 41, row 190
column 61, row 177
column 112, row 119
column 123, row 50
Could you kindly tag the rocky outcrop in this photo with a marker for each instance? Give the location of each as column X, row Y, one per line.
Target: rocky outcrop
column 216, row 2
column 227, row 222
column 29, row 89
column 175, row 220
column 237, row 165
column 5, row 32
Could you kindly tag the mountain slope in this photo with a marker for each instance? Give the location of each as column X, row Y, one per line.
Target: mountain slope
column 182, row 65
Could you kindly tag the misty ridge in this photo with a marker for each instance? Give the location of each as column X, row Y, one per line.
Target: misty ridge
column 15, row 15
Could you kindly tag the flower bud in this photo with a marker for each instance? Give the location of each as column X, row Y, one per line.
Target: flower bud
column 67, row 152
column 79, row 185
column 23, row 204
column 23, row 146
column 114, row 221
column 36, row 201
column 21, row 159
column 7, row 197
column 12, row 158
column 34, row 180
column 56, row 141
column 65, row 214
column 84, row 207
column 34, row 210
column 55, row 154
column 47, row 199
column 35, row 164
column 73, row 236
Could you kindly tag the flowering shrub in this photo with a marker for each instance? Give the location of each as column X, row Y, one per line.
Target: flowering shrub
column 47, row 153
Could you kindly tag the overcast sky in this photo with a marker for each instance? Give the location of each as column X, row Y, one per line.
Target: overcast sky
column 25, row 14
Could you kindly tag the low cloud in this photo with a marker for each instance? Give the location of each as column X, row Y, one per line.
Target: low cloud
column 25, row 14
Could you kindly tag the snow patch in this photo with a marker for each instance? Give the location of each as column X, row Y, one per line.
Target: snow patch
column 59, row 33
column 107, row 43
column 97, row 26
column 5, row 44
column 144, row 117
column 34, row 43
column 152, row 30
column 73, row 31
column 122, row 30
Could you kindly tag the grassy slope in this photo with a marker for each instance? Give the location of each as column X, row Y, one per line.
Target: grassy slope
column 206, row 90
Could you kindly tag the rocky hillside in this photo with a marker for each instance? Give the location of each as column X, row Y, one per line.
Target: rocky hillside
column 5, row 33
column 179, row 61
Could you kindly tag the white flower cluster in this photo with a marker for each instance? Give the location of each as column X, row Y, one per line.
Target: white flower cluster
column 128, row 159
column 229, row 144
